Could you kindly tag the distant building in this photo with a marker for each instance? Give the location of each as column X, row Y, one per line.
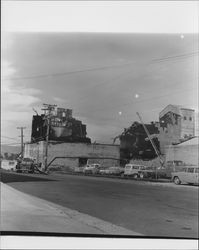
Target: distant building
column 63, row 127
column 176, row 124
column 134, row 142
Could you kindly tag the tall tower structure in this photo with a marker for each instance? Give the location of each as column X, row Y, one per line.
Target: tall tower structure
column 177, row 124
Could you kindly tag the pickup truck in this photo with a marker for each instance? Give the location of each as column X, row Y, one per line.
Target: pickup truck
column 25, row 165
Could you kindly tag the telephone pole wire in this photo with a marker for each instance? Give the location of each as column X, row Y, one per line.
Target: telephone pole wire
column 22, row 136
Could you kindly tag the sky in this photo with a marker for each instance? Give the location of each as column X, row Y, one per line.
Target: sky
column 104, row 60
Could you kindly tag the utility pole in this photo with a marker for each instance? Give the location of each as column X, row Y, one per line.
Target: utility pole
column 21, row 128
column 48, row 108
column 47, row 140
column 152, row 143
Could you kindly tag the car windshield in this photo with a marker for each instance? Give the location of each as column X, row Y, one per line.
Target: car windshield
column 95, row 165
column 27, row 159
column 128, row 167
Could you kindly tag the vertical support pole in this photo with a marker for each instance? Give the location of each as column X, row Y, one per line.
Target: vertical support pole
column 47, row 140
column 22, row 147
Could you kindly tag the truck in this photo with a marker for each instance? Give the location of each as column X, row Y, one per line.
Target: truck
column 25, row 165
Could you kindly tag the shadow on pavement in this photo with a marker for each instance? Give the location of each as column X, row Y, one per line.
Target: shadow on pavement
column 7, row 177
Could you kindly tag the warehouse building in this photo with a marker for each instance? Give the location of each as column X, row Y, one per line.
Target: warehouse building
column 184, row 152
column 71, row 155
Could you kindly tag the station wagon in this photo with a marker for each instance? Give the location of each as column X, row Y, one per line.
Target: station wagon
column 133, row 170
column 187, row 175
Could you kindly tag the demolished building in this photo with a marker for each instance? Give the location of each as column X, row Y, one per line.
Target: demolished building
column 176, row 125
column 68, row 145
column 134, row 142
column 63, row 127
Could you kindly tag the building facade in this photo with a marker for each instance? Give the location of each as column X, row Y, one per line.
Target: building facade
column 63, row 127
column 71, row 155
column 176, row 124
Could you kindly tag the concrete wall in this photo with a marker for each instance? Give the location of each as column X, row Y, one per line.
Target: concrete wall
column 187, row 124
column 170, row 134
column 34, row 151
column 77, row 150
column 188, row 154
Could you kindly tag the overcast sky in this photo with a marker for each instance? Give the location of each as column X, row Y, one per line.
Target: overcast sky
column 97, row 59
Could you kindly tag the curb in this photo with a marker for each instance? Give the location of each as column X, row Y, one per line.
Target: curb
column 114, row 177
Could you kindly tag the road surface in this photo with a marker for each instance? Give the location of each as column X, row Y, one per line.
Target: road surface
column 152, row 209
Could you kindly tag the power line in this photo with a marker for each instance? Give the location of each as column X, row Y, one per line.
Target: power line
column 9, row 144
column 140, row 101
column 11, row 138
column 159, row 60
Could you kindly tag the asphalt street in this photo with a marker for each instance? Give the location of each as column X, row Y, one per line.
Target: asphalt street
column 152, row 209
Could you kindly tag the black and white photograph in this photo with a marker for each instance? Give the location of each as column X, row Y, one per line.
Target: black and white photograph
column 99, row 124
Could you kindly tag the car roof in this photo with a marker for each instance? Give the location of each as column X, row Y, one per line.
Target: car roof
column 27, row 159
column 137, row 165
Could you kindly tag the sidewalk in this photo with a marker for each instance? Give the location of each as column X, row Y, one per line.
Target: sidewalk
column 23, row 212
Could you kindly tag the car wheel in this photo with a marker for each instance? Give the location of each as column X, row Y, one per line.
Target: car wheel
column 135, row 176
column 176, row 180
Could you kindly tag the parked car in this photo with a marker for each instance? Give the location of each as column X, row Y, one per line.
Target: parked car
column 187, row 175
column 104, row 171
column 92, row 169
column 152, row 172
column 79, row 169
column 112, row 171
column 133, row 170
